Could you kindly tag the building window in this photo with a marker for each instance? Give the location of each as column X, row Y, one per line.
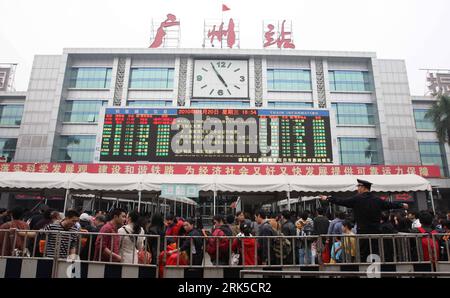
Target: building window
column 433, row 153
column 151, row 78
column 149, row 103
column 360, row 151
column 354, row 113
column 90, row 77
column 220, row 104
column 422, row 122
column 76, row 149
column 11, row 114
column 8, row 148
column 289, row 80
column 83, row 110
column 295, row 105
column 350, row 81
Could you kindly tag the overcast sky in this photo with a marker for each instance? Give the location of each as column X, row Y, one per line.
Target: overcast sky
column 413, row 30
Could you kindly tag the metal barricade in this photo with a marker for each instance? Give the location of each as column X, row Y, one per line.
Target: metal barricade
column 78, row 247
column 287, row 252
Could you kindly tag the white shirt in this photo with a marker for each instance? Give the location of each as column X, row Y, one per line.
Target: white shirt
column 129, row 245
column 416, row 224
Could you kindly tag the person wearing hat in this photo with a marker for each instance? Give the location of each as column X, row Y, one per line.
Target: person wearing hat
column 367, row 209
column 87, row 241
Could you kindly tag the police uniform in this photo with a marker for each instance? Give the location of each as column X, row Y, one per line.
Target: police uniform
column 367, row 209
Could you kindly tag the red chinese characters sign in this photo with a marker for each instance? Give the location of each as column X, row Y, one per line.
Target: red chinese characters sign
column 209, row 169
column 403, row 197
column 161, row 32
column 282, row 41
column 221, row 34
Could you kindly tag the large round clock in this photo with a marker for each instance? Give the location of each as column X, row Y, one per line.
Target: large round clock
column 220, row 79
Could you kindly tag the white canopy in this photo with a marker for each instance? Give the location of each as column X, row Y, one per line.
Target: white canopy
column 381, row 183
column 153, row 182
column 230, row 183
column 106, row 182
column 237, row 183
column 34, row 180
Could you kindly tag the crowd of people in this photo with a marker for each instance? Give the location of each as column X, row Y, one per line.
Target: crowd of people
column 240, row 239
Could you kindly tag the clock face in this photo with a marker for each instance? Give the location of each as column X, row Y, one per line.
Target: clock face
column 220, row 79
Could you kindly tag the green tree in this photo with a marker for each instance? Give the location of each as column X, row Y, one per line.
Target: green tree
column 440, row 115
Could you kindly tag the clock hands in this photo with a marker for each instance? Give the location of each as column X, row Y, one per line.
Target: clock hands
column 218, row 75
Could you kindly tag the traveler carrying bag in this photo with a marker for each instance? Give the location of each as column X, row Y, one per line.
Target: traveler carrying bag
column 326, row 253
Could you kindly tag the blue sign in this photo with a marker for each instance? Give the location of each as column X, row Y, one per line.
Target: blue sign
column 180, row 190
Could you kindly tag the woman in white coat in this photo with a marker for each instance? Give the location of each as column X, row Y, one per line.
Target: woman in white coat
column 130, row 245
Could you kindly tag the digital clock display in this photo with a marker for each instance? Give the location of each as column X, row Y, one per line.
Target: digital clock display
column 216, row 135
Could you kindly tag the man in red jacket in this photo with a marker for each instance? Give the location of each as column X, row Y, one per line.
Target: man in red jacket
column 222, row 255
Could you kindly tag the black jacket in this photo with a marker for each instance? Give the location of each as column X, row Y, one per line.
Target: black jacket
column 387, row 228
column 153, row 241
column 197, row 243
column 367, row 210
column 288, row 229
column 321, row 225
column 90, row 242
column 265, row 229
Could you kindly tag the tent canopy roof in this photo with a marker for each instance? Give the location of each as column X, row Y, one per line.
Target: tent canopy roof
column 231, row 183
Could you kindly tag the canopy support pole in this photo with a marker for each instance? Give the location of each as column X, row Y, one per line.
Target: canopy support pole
column 158, row 205
column 165, row 207
column 289, row 200
column 93, row 204
column 214, row 203
column 432, row 201
column 65, row 200
column 140, row 199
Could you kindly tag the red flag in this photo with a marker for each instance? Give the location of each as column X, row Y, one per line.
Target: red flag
column 225, row 8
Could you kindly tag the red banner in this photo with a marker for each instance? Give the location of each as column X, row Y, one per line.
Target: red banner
column 403, row 197
column 211, row 169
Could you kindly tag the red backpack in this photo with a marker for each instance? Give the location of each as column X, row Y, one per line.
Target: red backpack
column 428, row 244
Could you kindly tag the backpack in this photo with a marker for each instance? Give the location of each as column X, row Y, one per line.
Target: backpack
column 428, row 244
column 84, row 239
column 307, row 230
column 282, row 245
column 226, row 230
column 225, row 242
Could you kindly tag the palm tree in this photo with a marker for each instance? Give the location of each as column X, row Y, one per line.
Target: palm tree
column 440, row 115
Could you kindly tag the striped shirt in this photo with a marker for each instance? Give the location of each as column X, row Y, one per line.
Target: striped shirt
column 66, row 241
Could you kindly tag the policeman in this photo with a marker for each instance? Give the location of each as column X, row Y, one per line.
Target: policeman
column 367, row 209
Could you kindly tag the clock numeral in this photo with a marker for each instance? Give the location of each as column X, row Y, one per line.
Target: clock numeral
column 220, row 92
column 242, row 79
column 221, row 64
column 199, row 78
